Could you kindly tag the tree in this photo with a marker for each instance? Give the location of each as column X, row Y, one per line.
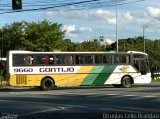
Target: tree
column 90, row 46
column 41, row 36
column 68, row 45
column 13, row 37
column 44, row 36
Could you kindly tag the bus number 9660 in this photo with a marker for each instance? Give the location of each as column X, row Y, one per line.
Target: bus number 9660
column 23, row 70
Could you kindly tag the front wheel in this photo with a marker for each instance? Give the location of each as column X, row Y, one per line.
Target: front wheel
column 126, row 82
column 47, row 84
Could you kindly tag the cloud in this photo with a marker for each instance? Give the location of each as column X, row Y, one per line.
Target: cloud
column 72, row 30
column 154, row 12
column 106, row 16
column 88, row 15
column 69, row 29
column 85, row 29
column 128, row 16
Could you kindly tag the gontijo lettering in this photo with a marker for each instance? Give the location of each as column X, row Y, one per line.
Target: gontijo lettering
column 67, row 69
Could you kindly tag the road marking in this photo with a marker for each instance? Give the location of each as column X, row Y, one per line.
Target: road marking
column 43, row 111
column 129, row 95
column 42, row 103
column 149, row 96
column 102, row 94
column 112, row 94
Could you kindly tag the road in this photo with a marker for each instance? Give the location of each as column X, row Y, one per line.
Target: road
column 80, row 103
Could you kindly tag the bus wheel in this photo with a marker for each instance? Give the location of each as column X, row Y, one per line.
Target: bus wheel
column 126, row 82
column 47, row 84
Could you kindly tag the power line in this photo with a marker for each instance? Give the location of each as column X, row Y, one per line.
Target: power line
column 56, row 6
column 88, row 4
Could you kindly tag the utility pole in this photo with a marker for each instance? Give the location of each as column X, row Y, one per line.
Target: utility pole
column 117, row 24
column 2, row 46
column 144, row 41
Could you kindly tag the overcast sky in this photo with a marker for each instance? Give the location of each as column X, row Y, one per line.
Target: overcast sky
column 93, row 19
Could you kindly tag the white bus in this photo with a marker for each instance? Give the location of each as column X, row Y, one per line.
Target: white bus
column 49, row 69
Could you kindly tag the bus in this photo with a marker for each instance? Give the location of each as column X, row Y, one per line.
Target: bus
column 58, row 69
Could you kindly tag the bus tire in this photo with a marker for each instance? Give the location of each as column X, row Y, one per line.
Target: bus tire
column 47, row 84
column 126, row 82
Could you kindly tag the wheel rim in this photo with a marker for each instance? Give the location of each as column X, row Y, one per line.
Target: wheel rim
column 48, row 84
column 127, row 81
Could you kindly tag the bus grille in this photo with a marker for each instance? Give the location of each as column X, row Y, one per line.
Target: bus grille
column 21, row 79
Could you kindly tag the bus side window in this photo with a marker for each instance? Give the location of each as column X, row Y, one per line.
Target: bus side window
column 29, row 60
column 107, row 59
column 127, row 59
column 98, row 59
column 40, row 59
column 79, row 59
column 51, row 59
column 68, row 59
column 88, row 59
column 121, row 59
column 116, row 59
column 136, row 64
column 46, row 59
column 58, row 59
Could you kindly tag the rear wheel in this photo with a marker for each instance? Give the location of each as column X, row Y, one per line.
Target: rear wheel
column 126, row 82
column 47, row 84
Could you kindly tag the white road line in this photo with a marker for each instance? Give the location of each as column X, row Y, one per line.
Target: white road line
column 63, row 93
column 149, row 96
column 99, row 95
column 41, row 103
column 129, row 95
column 43, row 111
column 112, row 94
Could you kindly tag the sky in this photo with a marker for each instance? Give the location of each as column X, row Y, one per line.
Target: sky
column 90, row 19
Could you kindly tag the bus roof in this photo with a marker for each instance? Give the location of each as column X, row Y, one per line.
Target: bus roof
column 137, row 52
column 81, row 52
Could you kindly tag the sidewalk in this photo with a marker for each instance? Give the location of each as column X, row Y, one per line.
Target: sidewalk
column 11, row 88
column 155, row 82
column 4, row 86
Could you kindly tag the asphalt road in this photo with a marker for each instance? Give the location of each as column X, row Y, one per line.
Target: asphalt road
column 81, row 103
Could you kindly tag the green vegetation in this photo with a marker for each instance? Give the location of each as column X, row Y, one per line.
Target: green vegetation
column 47, row 36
